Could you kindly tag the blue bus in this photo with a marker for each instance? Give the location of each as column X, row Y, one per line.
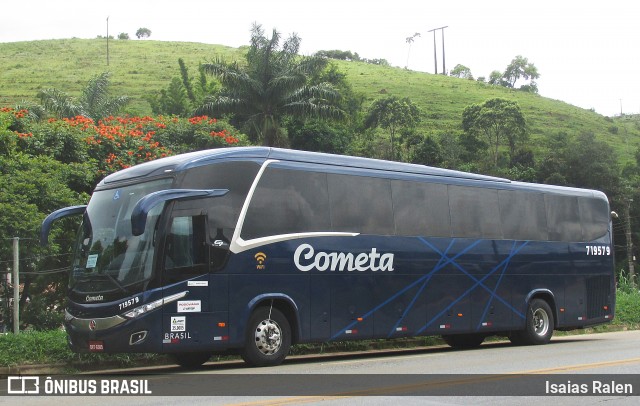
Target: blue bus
column 250, row 250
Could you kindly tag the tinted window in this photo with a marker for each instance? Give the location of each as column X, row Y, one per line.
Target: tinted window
column 421, row 208
column 185, row 245
column 474, row 212
column 288, row 201
column 361, row 204
column 563, row 218
column 523, row 215
column 594, row 216
column 223, row 212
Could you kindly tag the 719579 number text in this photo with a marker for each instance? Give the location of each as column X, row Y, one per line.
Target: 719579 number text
column 598, row 250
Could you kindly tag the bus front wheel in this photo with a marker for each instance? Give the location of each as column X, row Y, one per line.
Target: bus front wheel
column 539, row 325
column 268, row 338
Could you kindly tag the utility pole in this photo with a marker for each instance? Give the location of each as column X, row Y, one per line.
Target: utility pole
column 621, row 108
column 16, row 285
column 107, row 41
column 435, row 59
column 444, row 70
column 627, row 231
column 435, row 56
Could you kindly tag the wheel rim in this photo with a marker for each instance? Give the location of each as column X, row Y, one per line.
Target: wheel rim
column 540, row 322
column 268, row 337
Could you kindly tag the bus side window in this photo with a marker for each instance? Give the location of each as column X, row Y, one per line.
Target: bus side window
column 185, row 245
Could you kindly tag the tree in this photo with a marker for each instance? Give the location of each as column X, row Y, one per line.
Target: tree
column 584, row 161
column 319, row 135
column 495, row 78
column 186, row 80
column 171, row 101
column 184, row 94
column 409, row 41
column 123, row 35
column 392, row 114
column 461, row 71
column 273, row 85
column 94, row 101
column 521, row 68
column 426, row 151
column 33, row 186
column 333, row 136
column 497, row 120
column 338, row 54
column 143, row 33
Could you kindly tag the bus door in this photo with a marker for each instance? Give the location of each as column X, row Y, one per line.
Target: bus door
column 187, row 320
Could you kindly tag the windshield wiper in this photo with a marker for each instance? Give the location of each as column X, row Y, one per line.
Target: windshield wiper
column 98, row 277
column 115, row 282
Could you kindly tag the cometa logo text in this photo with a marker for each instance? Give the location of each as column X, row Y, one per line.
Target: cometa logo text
column 307, row 259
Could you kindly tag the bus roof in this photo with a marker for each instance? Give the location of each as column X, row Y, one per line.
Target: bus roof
column 185, row 161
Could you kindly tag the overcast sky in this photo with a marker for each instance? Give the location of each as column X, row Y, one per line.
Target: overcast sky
column 586, row 52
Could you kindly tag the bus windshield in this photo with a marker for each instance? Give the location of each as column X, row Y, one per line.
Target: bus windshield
column 109, row 262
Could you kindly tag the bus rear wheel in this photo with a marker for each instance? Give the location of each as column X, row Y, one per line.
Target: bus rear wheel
column 464, row 341
column 268, row 338
column 539, row 325
column 191, row 360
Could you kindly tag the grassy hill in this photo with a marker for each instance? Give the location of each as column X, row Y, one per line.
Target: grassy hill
column 142, row 67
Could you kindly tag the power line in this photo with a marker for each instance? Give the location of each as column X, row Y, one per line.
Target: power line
column 36, row 258
column 43, row 272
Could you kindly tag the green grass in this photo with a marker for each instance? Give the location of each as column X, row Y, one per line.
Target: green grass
column 140, row 68
column 50, row 347
column 628, row 310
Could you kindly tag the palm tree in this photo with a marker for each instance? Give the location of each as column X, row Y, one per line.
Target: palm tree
column 93, row 103
column 272, row 85
column 409, row 41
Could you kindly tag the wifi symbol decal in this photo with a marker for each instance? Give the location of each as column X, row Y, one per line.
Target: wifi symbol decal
column 260, row 258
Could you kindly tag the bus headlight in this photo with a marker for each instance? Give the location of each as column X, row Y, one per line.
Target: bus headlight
column 149, row 307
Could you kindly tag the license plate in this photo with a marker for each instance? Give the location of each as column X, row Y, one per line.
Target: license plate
column 96, row 346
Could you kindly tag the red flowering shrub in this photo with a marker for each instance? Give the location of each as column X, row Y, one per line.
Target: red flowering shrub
column 115, row 143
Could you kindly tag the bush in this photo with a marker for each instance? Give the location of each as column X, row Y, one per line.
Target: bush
column 33, row 347
column 628, row 309
column 50, row 347
column 116, row 143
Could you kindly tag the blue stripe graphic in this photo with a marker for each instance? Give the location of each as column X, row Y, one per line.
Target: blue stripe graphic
column 423, row 281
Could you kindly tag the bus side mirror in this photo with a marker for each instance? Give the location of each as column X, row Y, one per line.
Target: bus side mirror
column 58, row 214
column 148, row 202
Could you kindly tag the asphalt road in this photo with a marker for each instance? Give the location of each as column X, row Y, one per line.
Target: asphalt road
column 494, row 374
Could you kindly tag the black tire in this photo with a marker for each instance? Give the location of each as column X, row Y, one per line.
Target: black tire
column 516, row 338
column 539, row 325
column 268, row 338
column 464, row 341
column 191, row 360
